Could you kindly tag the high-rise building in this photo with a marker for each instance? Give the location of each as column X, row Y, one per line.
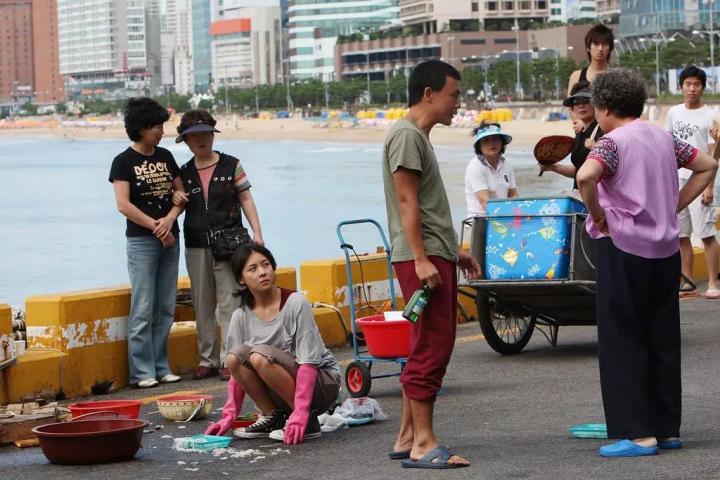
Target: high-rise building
column 608, row 10
column 566, row 10
column 245, row 46
column 49, row 87
column 559, row 11
column 183, row 67
column 502, row 14
column 16, row 56
column 231, row 52
column 153, row 45
column 201, row 44
column 168, row 26
column 109, row 47
column 648, row 18
column 29, row 65
column 314, row 26
column 432, row 16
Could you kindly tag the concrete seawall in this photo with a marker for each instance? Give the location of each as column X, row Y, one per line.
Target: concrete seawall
column 77, row 340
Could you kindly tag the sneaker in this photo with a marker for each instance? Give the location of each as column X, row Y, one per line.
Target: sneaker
column 170, row 378
column 202, row 372
column 148, row 383
column 312, row 430
column 263, row 426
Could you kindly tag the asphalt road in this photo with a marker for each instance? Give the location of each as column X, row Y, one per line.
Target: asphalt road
column 508, row 415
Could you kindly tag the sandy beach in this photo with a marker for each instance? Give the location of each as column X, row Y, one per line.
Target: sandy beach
column 525, row 132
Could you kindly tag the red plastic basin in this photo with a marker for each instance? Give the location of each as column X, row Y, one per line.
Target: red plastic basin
column 386, row 338
column 128, row 408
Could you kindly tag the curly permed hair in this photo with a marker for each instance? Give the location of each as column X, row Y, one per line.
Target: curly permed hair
column 192, row 117
column 143, row 112
column 621, row 91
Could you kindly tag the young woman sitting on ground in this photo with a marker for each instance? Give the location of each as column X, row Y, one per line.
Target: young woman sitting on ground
column 276, row 355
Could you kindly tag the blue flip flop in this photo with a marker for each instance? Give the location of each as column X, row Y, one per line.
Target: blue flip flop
column 626, row 448
column 399, row 455
column 437, row 458
column 670, row 444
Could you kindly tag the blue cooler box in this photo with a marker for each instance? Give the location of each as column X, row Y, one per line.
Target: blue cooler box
column 529, row 238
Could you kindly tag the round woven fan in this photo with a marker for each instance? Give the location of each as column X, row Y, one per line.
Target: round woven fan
column 552, row 149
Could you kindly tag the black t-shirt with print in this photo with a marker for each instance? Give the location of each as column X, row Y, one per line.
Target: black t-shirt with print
column 151, row 188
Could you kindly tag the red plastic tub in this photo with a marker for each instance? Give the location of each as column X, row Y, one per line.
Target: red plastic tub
column 126, row 408
column 386, row 338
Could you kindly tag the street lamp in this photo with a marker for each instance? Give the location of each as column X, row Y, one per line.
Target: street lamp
column 516, row 29
column 711, row 34
column 367, row 68
column 656, row 39
column 288, row 98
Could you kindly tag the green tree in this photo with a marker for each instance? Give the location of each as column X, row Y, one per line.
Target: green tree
column 205, row 104
column 502, row 76
column 61, row 108
column 28, row 108
column 179, row 103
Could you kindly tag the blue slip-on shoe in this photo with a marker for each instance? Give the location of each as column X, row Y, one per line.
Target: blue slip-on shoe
column 627, row 448
column 670, row 444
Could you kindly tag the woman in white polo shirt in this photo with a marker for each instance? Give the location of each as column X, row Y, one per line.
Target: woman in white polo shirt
column 488, row 175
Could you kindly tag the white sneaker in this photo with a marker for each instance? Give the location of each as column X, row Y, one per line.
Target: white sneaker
column 170, row 378
column 147, row 383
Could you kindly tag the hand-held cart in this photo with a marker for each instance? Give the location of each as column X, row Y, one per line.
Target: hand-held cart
column 386, row 340
column 538, row 265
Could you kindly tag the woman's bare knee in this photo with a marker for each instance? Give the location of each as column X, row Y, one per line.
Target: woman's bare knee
column 258, row 360
column 232, row 362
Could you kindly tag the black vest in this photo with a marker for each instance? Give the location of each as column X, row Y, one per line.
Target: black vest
column 223, row 205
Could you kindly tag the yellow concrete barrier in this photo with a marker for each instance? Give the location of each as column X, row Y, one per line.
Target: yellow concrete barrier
column 5, row 320
column 37, row 373
column 90, row 328
column 87, row 330
column 326, row 281
column 700, row 271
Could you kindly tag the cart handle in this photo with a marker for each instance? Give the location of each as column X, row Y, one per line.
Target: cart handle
column 344, row 245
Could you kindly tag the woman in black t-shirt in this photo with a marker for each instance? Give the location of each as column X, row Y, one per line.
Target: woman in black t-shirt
column 579, row 102
column 144, row 177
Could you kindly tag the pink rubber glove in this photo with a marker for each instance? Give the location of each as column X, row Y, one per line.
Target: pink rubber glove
column 235, row 397
column 298, row 420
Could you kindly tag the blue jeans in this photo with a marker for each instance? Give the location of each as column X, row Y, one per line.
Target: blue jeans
column 153, row 281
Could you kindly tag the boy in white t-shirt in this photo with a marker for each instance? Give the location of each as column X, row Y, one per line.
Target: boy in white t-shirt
column 694, row 123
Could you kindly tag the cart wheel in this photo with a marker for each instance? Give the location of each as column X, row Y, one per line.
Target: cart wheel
column 358, row 379
column 506, row 330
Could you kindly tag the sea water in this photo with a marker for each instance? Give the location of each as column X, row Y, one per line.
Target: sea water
column 60, row 229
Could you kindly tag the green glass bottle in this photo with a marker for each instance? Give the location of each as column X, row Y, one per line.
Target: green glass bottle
column 417, row 303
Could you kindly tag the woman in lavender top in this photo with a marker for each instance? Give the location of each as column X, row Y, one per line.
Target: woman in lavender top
column 630, row 186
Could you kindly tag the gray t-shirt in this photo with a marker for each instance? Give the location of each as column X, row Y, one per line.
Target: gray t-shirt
column 293, row 331
column 409, row 147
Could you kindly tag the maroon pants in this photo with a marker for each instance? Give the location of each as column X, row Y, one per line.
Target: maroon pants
column 432, row 337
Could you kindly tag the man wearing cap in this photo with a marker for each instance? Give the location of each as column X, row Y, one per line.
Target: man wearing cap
column 585, row 138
